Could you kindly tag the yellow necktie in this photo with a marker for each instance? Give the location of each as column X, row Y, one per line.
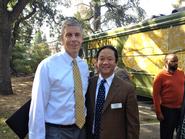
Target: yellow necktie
column 79, row 99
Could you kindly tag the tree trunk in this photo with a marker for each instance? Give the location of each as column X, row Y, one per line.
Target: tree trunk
column 97, row 15
column 5, row 53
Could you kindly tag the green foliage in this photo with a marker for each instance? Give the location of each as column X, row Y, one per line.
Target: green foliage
column 5, row 131
column 35, row 14
column 37, row 54
column 11, row 4
column 25, row 32
column 20, row 60
column 38, row 37
column 26, row 59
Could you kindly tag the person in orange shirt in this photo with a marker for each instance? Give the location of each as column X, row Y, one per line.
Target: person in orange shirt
column 168, row 92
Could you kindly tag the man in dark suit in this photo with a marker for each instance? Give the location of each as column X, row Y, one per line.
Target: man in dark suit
column 112, row 110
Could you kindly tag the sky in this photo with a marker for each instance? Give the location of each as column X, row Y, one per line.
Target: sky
column 152, row 7
column 156, row 7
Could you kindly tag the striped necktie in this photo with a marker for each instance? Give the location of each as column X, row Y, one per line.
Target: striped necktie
column 99, row 106
column 79, row 99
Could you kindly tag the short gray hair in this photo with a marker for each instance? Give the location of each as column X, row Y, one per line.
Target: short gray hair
column 71, row 22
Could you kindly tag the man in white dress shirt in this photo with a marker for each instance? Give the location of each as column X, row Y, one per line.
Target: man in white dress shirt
column 52, row 110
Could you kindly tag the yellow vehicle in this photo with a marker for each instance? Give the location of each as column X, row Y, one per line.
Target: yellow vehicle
column 142, row 47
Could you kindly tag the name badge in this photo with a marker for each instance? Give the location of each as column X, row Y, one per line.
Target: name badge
column 116, row 106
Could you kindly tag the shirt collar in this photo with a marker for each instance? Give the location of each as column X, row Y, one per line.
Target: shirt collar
column 108, row 80
column 69, row 59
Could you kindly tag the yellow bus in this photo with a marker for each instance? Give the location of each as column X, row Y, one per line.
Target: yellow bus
column 142, row 47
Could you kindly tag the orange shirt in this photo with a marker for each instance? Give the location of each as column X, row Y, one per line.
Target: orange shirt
column 168, row 89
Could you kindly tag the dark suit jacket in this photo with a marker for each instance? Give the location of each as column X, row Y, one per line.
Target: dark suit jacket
column 116, row 123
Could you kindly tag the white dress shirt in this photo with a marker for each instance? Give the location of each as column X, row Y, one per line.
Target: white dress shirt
column 107, row 85
column 53, row 93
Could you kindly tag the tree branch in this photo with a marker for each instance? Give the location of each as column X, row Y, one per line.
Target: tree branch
column 6, row 2
column 89, row 18
column 15, row 32
column 17, row 10
column 29, row 15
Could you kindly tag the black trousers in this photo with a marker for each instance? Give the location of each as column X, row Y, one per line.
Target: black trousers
column 170, row 122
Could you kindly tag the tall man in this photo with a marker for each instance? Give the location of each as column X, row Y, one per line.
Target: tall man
column 112, row 110
column 168, row 88
column 54, row 111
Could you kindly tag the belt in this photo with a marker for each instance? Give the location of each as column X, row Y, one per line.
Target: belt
column 61, row 126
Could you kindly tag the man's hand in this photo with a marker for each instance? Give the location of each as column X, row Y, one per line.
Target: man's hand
column 160, row 117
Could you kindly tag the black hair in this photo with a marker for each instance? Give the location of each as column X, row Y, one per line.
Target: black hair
column 109, row 47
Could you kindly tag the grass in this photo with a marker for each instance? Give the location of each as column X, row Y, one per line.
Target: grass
column 5, row 131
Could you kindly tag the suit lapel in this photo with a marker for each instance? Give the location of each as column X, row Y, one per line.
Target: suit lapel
column 111, row 93
column 93, row 92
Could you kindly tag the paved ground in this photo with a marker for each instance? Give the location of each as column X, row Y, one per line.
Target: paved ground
column 149, row 126
column 149, row 131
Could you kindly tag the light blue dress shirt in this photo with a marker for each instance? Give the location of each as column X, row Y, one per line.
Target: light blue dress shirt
column 53, row 93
